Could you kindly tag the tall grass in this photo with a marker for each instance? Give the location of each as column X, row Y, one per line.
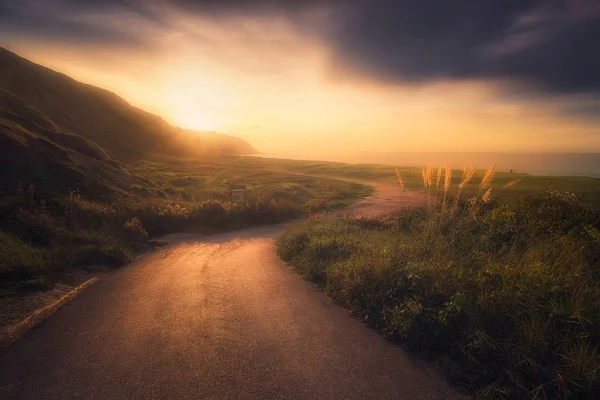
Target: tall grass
column 437, row 183
column 447, row 181
column 400, row 179
column 43, row 237
column 504, row 296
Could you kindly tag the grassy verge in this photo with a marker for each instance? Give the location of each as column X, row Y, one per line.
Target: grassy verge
column 43, row 236
column 504, row 295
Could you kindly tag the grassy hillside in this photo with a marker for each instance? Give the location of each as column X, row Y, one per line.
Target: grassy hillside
column 58, row 134
column 35, row 150
column 85, row 179
column 103, row 117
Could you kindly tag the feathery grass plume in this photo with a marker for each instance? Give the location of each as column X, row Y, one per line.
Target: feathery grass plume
column 427, row 173
column 447, row 180
column 488, row 177
column 439, row 178
column 487, row 196
column 430, row 176
column 425, row 184
column 465, row 170
column 511, row 184
column 437, row 183
column 486, row 183
column 467, row 176
column 468, row 173
column 400, row 180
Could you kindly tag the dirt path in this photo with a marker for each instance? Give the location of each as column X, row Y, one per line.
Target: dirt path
column 386, row 199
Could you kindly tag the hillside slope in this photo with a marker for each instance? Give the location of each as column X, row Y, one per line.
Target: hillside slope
column 103, row 117
column 57, row 133
column 36, row 151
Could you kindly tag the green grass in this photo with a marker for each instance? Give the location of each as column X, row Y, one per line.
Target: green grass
column 587, row 189
column 196, row 180
column 45, row 235
column 506, row 300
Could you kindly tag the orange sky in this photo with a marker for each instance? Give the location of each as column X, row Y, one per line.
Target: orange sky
column 263, row 80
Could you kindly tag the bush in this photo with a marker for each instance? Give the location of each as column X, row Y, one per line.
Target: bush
column 19, row 260
column 137, row 231
column 507, row 298
column 42, row 238
column 109, row 254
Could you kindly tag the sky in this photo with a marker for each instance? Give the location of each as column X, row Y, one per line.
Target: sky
column 336, row 75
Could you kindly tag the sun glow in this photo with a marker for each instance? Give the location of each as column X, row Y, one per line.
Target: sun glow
column 196, row 121
column 195, row 102
column 277, row 88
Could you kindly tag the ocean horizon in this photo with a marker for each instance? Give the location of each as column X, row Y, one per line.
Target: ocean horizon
column 557, row 164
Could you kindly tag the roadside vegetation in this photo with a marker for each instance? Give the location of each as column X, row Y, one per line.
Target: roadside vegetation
column 44, row 235
column 587, row 189
column 501, row 289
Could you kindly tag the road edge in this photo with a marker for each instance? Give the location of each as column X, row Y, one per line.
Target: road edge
column 19, row 329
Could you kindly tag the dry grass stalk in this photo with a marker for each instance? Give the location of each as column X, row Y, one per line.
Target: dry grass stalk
column 432, row 183
column 429, row 176
column 400, row 180
column 437, row 183
column 511, row 184
column 447, row 180
column 487, row 196
column 488, row 177
column 468, row 173
column 427, row 173
column 467, row 176
column 486, row 183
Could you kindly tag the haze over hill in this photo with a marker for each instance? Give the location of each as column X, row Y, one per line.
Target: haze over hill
column 57, row 132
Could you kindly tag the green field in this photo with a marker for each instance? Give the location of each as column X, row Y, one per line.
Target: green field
column 587, row 189
column 196, row 180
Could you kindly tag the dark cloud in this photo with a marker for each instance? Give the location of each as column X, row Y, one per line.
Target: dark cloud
column 252, row 6
column 51, row 20
column 549, row 45
column 587, row 108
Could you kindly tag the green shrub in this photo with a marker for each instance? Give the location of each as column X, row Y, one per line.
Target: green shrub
column 109, row 254
column 19, row 260
column 506, row 298
column 44, row 237
column 136, row 230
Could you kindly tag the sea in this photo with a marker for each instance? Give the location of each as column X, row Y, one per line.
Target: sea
column 555, row 164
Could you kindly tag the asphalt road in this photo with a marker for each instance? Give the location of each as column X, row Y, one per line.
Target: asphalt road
column 213, row 317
